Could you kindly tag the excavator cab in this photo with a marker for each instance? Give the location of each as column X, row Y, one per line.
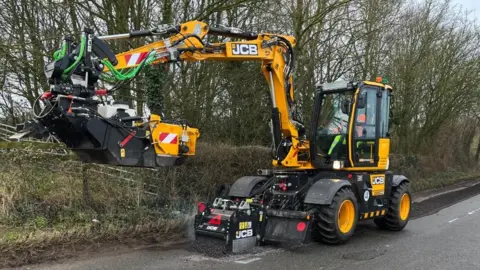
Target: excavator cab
column 350, row 126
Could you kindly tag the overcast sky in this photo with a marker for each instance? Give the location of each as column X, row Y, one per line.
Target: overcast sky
column 473, row 5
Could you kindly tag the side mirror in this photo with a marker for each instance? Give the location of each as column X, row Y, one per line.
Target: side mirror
column 346, row 106
column 361, row 101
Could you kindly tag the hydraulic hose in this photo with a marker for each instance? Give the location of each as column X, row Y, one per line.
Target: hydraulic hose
column 60, row 53
column 80, row 56
column 131, row 73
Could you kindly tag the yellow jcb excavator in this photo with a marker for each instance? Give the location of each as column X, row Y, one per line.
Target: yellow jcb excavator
column 323, row 181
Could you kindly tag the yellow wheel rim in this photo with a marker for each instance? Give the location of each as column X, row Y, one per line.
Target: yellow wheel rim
column 404, row 206
column 346, row 216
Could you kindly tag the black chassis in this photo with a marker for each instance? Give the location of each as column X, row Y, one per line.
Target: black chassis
column 279, row 206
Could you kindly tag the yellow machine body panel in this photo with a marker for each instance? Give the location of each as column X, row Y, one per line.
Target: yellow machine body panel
column 383, row 153
column 170, row 139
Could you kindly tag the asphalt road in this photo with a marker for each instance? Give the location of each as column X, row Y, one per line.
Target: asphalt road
column 448, row 239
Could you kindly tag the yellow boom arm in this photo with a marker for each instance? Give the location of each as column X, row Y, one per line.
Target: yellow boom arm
column 186, row 42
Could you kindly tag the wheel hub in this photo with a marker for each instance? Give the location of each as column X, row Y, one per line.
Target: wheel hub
column 404, row 206
column 346, row 216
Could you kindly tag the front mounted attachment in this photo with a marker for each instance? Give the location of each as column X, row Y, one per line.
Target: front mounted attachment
column 107, row 133
column 237, row 225
column 114, row 135
column 244, row 224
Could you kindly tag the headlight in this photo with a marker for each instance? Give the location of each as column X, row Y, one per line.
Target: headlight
column 337, row 164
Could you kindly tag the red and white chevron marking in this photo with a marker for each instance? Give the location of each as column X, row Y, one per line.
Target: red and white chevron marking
column 135, row 58
column 169, row 138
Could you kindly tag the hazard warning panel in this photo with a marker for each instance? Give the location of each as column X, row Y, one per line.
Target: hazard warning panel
column 135, row 58
column 168, row 138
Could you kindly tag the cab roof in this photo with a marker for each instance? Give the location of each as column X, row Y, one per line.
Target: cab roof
column 341, row 85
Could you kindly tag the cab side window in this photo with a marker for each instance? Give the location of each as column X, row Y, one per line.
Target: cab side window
column 384, row 115
column 366, row 117
column 365, row 139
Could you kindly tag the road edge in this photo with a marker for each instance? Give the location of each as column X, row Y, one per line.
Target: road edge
column 427, row 194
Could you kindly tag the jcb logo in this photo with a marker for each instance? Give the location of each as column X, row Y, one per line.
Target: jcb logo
column 244, row 49
column 378, row 180
column 89, row 43
column 244, row 233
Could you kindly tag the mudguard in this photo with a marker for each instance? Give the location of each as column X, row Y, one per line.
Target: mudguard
column 244, row 185
column 323, row 191
column 398, row 179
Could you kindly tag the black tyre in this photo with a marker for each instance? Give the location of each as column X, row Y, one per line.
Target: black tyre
column 398, row 212
column 335, row 223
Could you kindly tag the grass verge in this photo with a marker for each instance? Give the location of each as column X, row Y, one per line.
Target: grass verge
column 19, row 247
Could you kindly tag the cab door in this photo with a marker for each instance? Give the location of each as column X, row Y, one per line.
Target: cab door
column 370, row 139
